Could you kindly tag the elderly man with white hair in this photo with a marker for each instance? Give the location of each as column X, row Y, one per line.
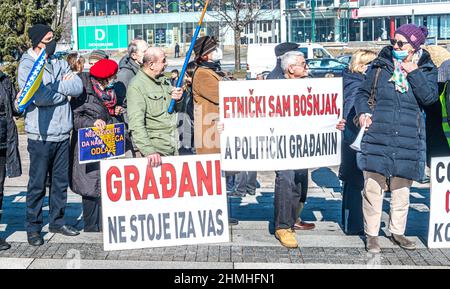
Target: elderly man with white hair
column 290, row 189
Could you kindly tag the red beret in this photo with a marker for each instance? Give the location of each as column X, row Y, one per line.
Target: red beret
column 104, row 68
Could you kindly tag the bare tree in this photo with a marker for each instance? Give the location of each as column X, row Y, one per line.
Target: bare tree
column 59, row 18
column 237, row 14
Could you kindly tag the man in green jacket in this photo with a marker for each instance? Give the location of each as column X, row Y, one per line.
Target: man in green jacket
column 153, row 129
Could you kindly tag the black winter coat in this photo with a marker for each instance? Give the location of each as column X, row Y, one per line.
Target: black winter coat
column 348, row 170
column 87, row 108
column 10, row 139
column 394, row 144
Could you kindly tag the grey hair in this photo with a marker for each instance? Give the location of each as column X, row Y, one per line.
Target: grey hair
column 152, row 54
column 133, row 46
column 290, row 58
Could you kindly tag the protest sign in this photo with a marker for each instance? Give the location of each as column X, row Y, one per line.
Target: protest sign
column 280, row 124
column 181, row 202
column 95, row 145
column 439, row 228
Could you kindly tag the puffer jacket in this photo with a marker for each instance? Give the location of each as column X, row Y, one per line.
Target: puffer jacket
column 394, row 145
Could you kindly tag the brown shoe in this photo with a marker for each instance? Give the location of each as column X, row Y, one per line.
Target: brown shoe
column 286, row 238
column 300, row 225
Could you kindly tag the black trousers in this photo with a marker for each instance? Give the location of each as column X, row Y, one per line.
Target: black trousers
column 291, row 188
column 2, row 175
column 53, row 158
column 92, row 214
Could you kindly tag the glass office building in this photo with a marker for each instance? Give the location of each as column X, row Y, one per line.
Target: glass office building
column 111, row 24
column 342, row 21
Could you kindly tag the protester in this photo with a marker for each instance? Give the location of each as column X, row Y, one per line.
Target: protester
column 174, row 74
column 185, row 122
column 129, row 66
column 301, row 175
column 245, row 184
column 352, row 177
column 393, row 147
column 444, row 95
column 205, row 87
column 436, row 121
column 280, row 50
column 76, row 62
column 10, row 165
column 95, row 111
column 48, row 123
column 149, row 95
column 95, row 56
column 288, row 183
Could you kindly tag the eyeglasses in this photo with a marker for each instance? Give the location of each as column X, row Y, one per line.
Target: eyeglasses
column 303, row 64
column 398, row 42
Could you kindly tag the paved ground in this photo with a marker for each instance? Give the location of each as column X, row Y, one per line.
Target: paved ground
column 252, row 243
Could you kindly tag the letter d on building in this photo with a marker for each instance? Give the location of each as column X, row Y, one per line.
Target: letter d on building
column 99, row 34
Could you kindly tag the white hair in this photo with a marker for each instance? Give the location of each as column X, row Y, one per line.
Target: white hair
column 290, row 58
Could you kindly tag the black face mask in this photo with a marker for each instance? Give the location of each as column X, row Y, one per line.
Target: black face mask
column 50, row 48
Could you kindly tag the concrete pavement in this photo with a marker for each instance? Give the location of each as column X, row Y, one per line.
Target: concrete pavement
column 252, row 244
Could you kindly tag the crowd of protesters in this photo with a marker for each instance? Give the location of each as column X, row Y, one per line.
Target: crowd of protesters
column 389, row 94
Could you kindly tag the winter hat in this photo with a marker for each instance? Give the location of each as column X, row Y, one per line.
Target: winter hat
column 415, row 35
column 204, row 45
column 98, row 55
column 104, row 68
column 37, row 32
column 282, row 48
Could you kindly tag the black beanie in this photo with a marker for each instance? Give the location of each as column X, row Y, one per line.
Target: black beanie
column 37, row 32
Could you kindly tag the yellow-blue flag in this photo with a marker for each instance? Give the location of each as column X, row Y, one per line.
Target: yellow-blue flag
column 33, row 83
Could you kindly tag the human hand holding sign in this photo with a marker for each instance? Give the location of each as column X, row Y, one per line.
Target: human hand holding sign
column 341, row 124
column 100, row 124
column 154, row 160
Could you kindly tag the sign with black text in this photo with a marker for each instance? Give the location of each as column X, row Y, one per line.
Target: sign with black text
column 280, row 124
column 439, row 229
column 181, row 202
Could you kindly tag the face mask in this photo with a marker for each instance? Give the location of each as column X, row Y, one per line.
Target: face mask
column 50, row 48
column 110, row 85
column 400, row 55
column 217, row 55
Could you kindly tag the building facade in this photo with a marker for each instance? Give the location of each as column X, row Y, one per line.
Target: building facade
column 363, row 20
column 112, row 24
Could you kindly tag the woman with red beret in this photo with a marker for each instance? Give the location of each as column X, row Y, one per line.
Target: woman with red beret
column 96, row 107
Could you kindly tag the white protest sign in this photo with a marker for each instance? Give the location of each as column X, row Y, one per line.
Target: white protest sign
column 280, row 124
column 439, row 228
column 182, row 202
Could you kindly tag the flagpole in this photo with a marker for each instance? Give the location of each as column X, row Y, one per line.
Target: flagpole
column 188, row 56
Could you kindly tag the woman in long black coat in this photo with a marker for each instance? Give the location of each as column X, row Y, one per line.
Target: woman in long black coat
column 393, row 150
column 351, row 176
column 90, row 110
column 9, row 141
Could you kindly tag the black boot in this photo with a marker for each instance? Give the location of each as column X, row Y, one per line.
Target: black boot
column 4, row 245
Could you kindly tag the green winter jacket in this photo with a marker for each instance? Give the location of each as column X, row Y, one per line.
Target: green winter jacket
column 152, row 128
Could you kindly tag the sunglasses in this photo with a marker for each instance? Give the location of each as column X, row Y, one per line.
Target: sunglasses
column 398, row 42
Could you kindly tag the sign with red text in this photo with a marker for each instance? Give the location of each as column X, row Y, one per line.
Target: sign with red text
column 280, row 124
column 181, row 202
column 439, row 228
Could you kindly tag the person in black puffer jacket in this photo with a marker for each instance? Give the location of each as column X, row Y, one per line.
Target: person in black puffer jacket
column 352, row 177
column 9, row 141
column 393, row 149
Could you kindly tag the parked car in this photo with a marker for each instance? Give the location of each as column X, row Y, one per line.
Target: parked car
column 326, row 67
column 345, row 58
column 261, row 57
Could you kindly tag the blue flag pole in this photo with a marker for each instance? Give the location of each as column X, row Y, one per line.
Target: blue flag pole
column 188, row 56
